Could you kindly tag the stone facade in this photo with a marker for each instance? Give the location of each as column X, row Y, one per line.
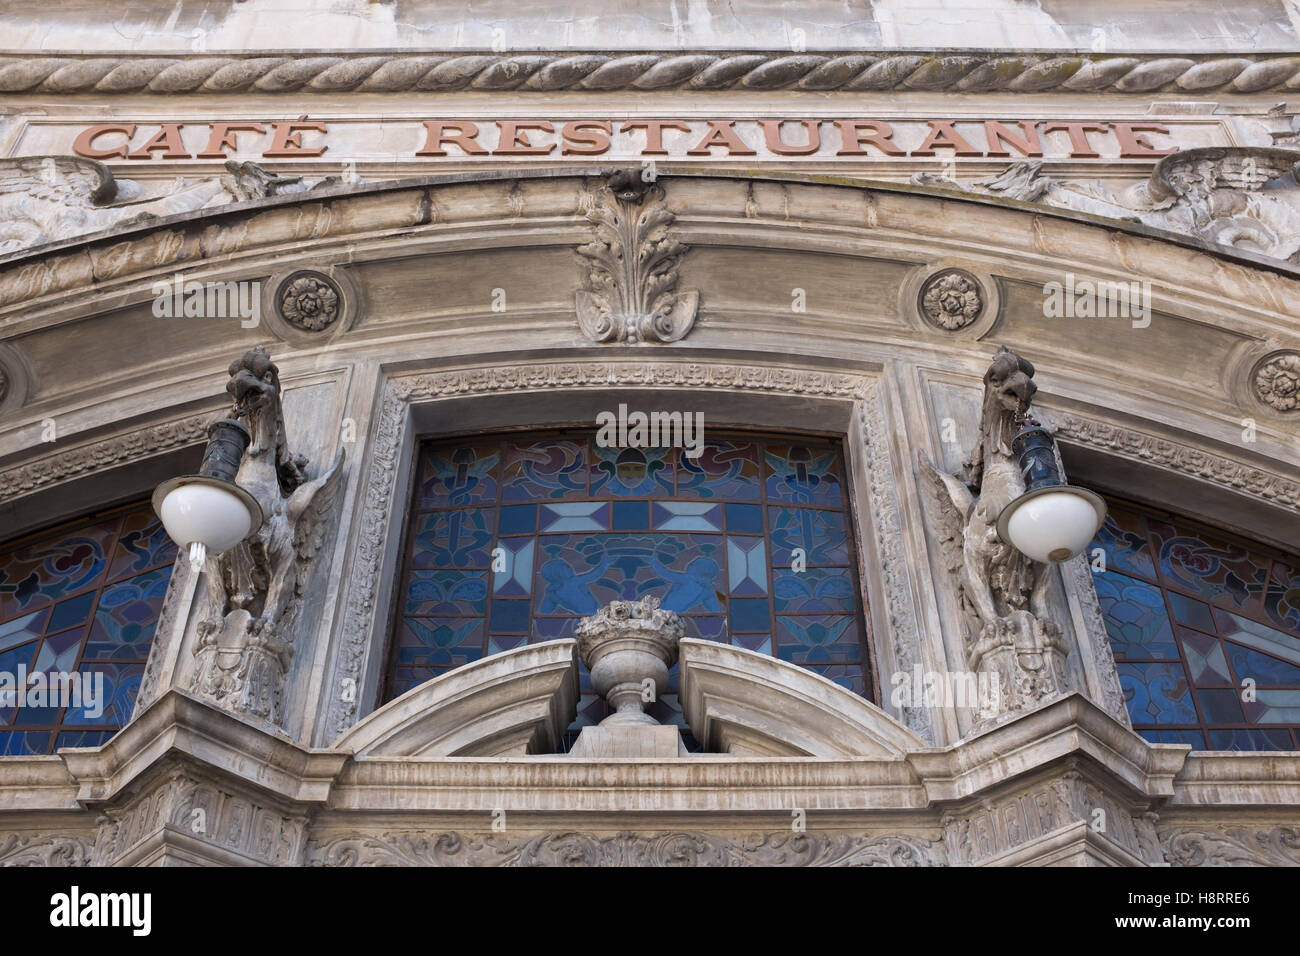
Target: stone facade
column 860, row 295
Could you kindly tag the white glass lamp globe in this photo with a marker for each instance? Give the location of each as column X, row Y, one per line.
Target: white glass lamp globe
column 1052, row 524
column 215, row 514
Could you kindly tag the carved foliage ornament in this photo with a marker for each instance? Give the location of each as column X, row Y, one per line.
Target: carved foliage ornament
column 951, row 299
column 308, row 301
column 631, row 267
column 1277, row 381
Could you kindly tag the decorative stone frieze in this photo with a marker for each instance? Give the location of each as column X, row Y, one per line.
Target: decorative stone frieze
column 46, row 849
column 656, row 848
column 1231, row 845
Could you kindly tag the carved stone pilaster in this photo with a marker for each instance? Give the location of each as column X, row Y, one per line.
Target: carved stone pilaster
column 631, row 267
column 1062, row 820
column 184, row 817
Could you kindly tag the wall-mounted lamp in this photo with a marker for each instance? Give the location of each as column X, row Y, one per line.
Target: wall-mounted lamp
column 208, row 512
column 1051, row 521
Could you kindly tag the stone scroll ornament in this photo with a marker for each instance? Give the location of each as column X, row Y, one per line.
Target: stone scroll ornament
column 631, row 267
column 1007, row 631
column 255, row 591
column 1245, row 198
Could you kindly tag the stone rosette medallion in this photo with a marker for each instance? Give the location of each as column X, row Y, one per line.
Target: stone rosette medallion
column 951, row 299
column 1277, row 381
column 309, row 301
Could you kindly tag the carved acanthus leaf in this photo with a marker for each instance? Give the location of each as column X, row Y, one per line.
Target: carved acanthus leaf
column 631, row 268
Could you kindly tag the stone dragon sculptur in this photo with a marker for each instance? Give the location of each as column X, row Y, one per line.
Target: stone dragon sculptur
column 256, row 589
column 1002, row 592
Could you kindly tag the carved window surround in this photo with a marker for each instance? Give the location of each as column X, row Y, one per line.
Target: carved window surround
column 469, row 400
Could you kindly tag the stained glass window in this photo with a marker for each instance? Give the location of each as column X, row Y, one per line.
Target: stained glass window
column 1205, row 630
column 749, row 541
column 78, row 606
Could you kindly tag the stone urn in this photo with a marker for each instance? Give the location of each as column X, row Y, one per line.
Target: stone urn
column 628, row 646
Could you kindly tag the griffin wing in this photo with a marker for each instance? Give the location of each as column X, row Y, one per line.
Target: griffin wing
column 66, row 180
column 309, row 503
column 948, row 503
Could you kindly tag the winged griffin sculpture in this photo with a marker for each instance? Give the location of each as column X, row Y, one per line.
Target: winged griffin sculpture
column 1002, row 592
column 49, row 198
column 256, row 590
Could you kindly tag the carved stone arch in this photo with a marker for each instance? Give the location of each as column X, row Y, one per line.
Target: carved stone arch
column 749, row 704
column 510, row 704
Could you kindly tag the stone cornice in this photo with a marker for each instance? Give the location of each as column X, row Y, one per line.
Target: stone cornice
column 96, row 456
column 759, row 72
column 1071, row 725
column 1270, row 486
column 179, row 724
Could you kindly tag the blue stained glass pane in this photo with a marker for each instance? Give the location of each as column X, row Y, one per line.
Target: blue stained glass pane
column 1221, row 706
column 1192, row 613
column 631, row 516
column 454, row 539
column 750, row 614
column 457, row 475
column 1221, row 572
column 1123, row 538
column 744, row 519
column 435, row 593
column 128, row 612
column 821, row 535
column 544, row 470
column 20, row 744
column 510, row 617
column 514, row 540
column 722, row 470
column 71, row 612
column 801, row 474
column 519, row 519
column 816, row 589
column 1135, row 617
column 1251, row 740
column 110, row 702
column 82, row 738
column 143, row 544
column 1193, row 737
column 1157, row 693
column 1282, row 602
column 439, row 642
column 1262, row 668
column 818, row 640
column 687, row 516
